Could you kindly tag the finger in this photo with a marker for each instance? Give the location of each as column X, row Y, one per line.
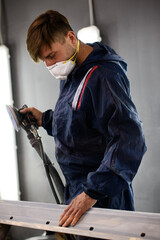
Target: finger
column 65, row 221
column 65, row 211
column 73, row 218
column 76, row 218
column 62, row 221
column 68, row 221
column 68, row 215
column 25, row 110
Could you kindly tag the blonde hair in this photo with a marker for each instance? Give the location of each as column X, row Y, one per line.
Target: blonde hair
column 49, row 27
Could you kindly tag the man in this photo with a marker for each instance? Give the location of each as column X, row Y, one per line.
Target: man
column 98, row 135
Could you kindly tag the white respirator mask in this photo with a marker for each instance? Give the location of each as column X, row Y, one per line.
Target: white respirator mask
column 61, row 70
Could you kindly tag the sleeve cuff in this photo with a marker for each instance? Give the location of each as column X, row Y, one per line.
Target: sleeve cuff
column 47, row 121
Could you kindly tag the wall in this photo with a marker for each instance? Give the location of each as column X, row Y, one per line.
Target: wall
column 132, row 29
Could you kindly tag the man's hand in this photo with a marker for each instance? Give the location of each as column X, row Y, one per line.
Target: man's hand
column 76, row 209
column 36, row 114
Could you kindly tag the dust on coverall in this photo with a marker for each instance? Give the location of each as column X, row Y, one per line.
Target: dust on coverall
column 97, row 131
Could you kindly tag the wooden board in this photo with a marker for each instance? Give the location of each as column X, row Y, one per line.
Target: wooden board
column 98, row 223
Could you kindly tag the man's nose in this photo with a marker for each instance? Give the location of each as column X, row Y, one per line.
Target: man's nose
column 48, row 62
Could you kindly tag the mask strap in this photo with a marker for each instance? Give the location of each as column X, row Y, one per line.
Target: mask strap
column 77, row 49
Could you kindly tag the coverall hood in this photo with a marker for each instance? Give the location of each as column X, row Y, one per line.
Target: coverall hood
column 102, row 53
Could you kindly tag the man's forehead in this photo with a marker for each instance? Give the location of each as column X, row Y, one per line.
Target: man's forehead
column 47, row 50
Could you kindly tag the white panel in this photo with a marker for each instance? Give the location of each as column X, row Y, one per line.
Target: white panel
column 9, row 186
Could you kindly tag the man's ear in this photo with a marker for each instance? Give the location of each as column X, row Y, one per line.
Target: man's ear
column 72, row 39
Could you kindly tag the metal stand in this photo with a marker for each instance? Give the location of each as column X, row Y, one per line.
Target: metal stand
column 4, row 229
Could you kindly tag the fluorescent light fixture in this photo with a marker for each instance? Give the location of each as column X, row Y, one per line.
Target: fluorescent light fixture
column 9, row 184
column 89, row 34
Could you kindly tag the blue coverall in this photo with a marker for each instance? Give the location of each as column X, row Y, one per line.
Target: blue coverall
column 98, row 134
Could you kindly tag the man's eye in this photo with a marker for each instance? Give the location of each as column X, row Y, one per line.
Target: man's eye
column 52, row 56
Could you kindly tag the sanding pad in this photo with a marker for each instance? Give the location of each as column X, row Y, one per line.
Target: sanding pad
column 13, row 113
